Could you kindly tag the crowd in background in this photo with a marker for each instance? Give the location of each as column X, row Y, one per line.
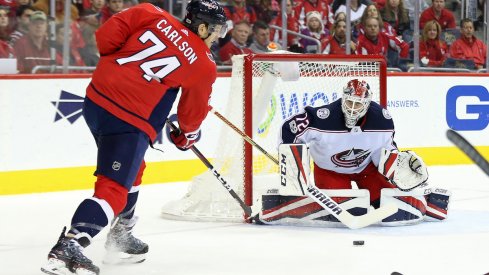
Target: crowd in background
column 382, row 27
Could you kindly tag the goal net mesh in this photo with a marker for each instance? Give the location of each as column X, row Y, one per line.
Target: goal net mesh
column 277, row 86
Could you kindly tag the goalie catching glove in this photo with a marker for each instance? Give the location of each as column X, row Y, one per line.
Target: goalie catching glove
column 404, row 169
column 183, row 141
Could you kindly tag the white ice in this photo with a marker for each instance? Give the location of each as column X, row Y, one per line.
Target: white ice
column 31, row 224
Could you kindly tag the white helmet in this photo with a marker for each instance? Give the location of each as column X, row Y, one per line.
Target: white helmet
column 355, row 101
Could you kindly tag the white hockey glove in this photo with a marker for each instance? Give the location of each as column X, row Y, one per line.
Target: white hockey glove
column 404, row 169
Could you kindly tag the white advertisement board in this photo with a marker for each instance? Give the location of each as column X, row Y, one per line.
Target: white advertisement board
column 41, row 125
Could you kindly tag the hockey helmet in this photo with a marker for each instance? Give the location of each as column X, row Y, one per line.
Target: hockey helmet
column 355, row 101
column 207, row 12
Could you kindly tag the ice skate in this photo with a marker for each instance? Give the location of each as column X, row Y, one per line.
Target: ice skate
column 66, row 257
column 122, row 247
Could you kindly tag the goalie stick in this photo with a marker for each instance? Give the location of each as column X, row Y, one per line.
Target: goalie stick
column 468, row 149
column 352, row 222
column 225, row 184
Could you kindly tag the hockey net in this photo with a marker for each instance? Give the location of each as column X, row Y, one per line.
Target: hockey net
column 266, row 89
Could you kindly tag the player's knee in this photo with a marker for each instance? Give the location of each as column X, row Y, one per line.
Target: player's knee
column 112, row 192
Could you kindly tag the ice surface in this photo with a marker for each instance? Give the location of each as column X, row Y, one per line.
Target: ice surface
column 31, row 224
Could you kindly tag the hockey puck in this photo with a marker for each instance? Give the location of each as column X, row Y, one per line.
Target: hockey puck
column 358, row 242
column 396, row 273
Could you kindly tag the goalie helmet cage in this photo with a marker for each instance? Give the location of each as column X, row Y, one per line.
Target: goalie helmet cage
column 265, row 89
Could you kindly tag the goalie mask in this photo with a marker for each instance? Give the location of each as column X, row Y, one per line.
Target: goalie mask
column 207, row 12
column 355, row 101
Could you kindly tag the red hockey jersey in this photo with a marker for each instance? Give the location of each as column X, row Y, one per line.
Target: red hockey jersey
column 144, row 52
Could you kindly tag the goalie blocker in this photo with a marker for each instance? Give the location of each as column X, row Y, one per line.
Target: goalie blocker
column 286, row 202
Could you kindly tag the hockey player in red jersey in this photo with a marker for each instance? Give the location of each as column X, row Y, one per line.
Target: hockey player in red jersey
column 352, row 139
column 147, row 58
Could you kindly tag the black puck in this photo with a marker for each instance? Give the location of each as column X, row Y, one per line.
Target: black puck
column 358, row 242
column 396, row 273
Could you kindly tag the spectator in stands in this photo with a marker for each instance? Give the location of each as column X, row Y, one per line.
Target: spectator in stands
column 75, row 58
column 372, row 11
column 410, row 5
column 89, row 24
column 337, row 3
column 432, row 50
column 292, row 25
column 6, row 51
column 44, row 6
column 376, row 42
column 32, row 49
column 261, row 39
column 237, row 11
column 468, row 46
column 396, row 15
column 112, row 7
column 237, row 44
column 314, row 29
column 266, row 10
column 438, row 12
column 336, row 42
column 357, row 9
column 95, row 7
column 321, row 6
column 77, row 39
column 4, row 23
column 23, row 14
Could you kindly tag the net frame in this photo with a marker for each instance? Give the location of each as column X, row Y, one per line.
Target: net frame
column 248, row 97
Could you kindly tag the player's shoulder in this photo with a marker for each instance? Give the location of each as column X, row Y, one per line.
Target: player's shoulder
column 378, row 118
column 326, row 117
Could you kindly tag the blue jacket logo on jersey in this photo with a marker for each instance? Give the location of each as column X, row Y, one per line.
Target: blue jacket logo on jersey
column 69, row 107
column 350, row 158
column 467, row 107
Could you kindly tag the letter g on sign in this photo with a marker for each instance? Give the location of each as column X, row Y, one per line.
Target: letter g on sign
column 467, row 108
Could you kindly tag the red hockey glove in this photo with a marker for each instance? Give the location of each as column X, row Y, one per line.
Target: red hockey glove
column 184, row 141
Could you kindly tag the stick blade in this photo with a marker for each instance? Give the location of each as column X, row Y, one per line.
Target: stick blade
column 374, row 216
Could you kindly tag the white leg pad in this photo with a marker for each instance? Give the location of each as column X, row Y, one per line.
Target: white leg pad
column 412, row 206
column 302, row 210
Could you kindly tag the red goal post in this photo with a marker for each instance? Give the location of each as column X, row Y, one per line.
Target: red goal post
column 265, row 89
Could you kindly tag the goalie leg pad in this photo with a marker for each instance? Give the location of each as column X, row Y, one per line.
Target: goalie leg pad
column 437, row 204
column 294, row 168
column 412, row 206
column 302, row 210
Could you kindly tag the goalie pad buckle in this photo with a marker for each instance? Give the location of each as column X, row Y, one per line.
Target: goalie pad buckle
column 405, row 169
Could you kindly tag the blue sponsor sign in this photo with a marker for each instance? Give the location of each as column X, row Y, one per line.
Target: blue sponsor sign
column 467, row 108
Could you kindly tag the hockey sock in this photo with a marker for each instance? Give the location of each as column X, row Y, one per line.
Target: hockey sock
column 132, row 197
column 91, row 216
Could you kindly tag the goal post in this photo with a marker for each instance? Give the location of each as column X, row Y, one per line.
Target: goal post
column 265, row 89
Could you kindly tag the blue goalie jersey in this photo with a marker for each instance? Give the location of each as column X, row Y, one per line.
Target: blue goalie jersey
column 335, row 147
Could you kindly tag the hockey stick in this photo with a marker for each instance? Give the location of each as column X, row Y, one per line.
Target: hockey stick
column 468, row 149
column 245, row 136
column 353, row 222
column 246, row 208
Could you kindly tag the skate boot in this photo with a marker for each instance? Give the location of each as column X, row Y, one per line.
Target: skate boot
column 66, row 256
column 122, row 247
